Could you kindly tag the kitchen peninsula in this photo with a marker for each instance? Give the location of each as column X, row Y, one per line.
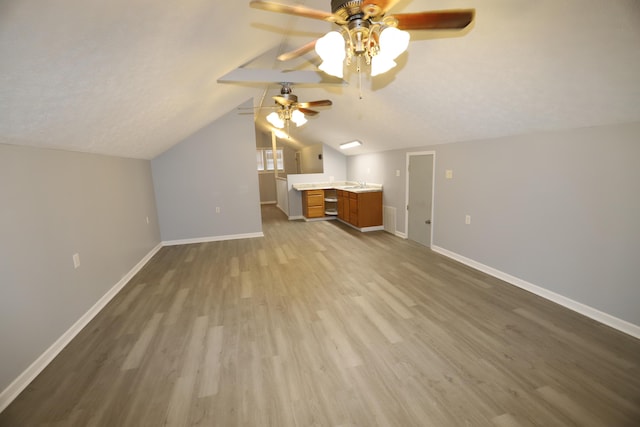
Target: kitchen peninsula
column 358, row 205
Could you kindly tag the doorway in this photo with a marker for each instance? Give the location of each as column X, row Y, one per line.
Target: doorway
column 420, row 180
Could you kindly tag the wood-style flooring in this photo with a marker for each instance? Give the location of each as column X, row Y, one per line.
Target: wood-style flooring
column 317, row 324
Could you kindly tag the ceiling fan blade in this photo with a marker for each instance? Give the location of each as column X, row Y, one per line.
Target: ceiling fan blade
column 298, row 52
column 375, row 8
column 283, row 101
column 307, row 112
column 436, row 20
column 293, row 10
column 321, row 103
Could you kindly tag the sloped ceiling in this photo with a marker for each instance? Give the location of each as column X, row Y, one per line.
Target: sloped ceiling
column 133, row 77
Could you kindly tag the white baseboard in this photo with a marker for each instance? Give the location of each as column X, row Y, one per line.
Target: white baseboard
column 401, row 235
column 296, row 217
column 269, row 202
column 24, row 379
column 212, row 239
column 607, row 319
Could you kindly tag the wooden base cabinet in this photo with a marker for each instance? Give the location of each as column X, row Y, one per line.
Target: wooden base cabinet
column 358, row 209
column 362, row 209
column 341, row 205
column 313, row 203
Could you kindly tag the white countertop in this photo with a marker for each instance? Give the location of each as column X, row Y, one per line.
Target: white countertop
column 352, row 186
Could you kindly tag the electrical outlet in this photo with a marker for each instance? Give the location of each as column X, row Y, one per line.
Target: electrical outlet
column 217, row 209
column 76, row 260
column 397, row 172
column 147, row 220
column 467, row 219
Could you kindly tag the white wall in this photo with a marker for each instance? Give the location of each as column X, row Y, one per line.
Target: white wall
column 214, row 168
column 54, row 204
column 558, row 209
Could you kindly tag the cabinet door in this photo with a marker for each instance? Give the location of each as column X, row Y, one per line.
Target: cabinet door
column 370, row 209
column 353, row 209
column 340, row 195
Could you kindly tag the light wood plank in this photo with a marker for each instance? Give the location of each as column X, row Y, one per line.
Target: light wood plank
column 317, row 324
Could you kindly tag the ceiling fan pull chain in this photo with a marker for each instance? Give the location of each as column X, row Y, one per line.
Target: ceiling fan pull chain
column 359, row 68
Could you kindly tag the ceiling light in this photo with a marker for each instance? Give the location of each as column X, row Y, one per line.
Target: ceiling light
column 281, row 117
column 330, row 48
column 298, row 118
column 351, row 144
column 379, row 44
column 275, row 119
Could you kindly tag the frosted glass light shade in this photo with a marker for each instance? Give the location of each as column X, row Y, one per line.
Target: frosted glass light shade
column 331, row 49
column 393, row 42
column 298, row 118
column 275, row 120
column 381, row 64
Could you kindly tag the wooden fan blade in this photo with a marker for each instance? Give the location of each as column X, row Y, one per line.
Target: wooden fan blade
column 293, row 10
column 321, row 103
column 307, row 112
column 375, row 8
column 436, row 20
column 298, row 52
column 283, row 101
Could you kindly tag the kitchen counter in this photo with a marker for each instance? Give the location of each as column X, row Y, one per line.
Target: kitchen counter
column 351, row 186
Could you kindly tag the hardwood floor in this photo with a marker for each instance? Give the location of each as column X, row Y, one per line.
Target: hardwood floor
column 319, row 325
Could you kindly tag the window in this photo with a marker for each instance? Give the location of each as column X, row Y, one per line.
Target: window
column 260, row 159
column 264, row 159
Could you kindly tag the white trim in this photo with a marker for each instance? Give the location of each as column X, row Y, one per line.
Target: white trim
column 295, row 217
column 269, row 202
column 433, row 191
column 362, row 229
column 595, row 314
column 372, row 228
column 24, row 379
column 212, row 239
column 401, row 235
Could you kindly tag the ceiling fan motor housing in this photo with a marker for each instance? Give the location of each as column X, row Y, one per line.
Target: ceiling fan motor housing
column 346, row 8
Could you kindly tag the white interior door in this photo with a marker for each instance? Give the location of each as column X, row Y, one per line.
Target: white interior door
column 420, row 197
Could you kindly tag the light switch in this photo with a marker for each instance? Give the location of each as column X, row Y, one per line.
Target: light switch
column 449, row 174
column 76, row 260
column 467, row 219
column 397, row 172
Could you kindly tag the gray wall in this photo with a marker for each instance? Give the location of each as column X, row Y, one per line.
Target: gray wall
column 215, row 167
column 267, row 183
column 559, row 209
column 54, row 204
column 335, row 169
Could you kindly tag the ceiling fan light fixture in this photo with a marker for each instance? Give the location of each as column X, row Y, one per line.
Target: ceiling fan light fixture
column 298, row 118
column 330, row 47
column 275, row 119
column 351, row 144
column 331, row 50
column 335, row 69
column 393, row 42
column 381, row 64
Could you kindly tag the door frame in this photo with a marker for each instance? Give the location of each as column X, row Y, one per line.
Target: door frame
column 433, row 191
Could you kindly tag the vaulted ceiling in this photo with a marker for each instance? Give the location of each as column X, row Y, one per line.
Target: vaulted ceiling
column 133, row 77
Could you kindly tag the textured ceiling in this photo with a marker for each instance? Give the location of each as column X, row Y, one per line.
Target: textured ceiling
column 132, row 78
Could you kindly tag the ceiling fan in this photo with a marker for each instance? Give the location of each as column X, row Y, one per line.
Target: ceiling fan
column 365, row 32
column 289, row 109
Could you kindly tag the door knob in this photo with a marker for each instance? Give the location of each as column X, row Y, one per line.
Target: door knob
column 428, row 221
